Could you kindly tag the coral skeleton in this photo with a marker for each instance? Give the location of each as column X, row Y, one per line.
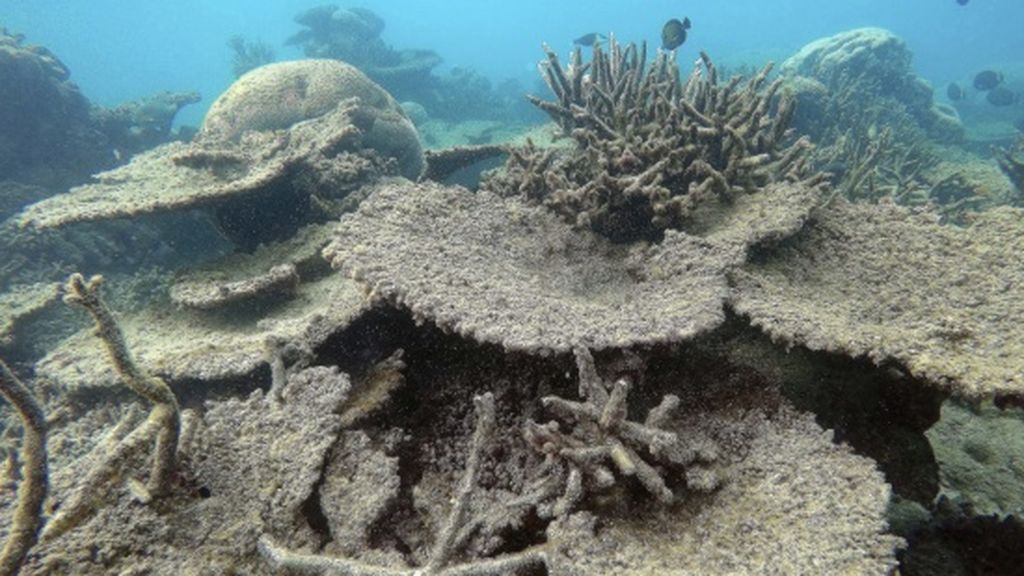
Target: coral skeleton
column 651, row 148
column 601, row 436
column 449, row 541
column 163, row 423
column 32, row 491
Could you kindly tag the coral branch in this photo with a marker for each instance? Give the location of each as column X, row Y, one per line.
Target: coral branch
column 650, row 148
column 28, row 514
column 448, row 541
column 163, row 423
column 165, row 410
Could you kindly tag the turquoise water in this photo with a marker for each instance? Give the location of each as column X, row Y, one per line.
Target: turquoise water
column 124, row 49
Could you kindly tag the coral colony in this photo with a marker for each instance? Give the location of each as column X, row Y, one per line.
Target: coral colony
column 586, row 365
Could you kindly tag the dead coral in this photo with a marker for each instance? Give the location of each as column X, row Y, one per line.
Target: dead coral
column 279, row 280
column 448, row 542
column 498, row 270
column 1011, row 161
column 600, row 435
column 18, row 303
column 443, row 163
column 795, row 503
column 161, row 427
column 882, row 281
column 653, row 150
column 184, row 344
column 24, row 527
column 267, row 148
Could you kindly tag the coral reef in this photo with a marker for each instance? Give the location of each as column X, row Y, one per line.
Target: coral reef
column 881, row 134
column 17, row 303
column 248, row 54
column 1011, row 162
column 352, row 35
column 978, row 450
column 283, row 134
column 498, row 270
column 181, row 345
column 396, row 392
column 52, row 135
column 896, row 286
column 654, row 152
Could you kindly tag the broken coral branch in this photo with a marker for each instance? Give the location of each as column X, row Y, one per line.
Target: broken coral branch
column 163, row 423
column 448, row 542
column 32, row 491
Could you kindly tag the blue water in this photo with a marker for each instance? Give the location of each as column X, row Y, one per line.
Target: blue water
column 124, row 49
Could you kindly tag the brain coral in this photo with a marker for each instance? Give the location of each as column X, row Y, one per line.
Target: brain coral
column 278, row 96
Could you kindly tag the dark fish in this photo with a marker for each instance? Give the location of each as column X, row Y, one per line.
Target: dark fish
column 590, row 39
column 987, row 80
column 954, row 92
column 962, row 2
column 1001, row 96
column 673, row 33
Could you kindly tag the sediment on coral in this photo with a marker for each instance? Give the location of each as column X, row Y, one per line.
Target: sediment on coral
column 18, row 303
column 272, row 271
column 654, row 150
column 498, row 270
column 259, row 164
column 894, row 285
column 161, row 427
column 578, row 462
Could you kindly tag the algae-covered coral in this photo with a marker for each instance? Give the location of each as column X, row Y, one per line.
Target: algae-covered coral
column 569, row 371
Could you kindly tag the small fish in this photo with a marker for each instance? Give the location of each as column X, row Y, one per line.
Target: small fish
column 673, row 33
column 987, row 80
column 962, row 2
column 1019, row 124
column 589, row 39
column 954, row 92
column 1002, row 96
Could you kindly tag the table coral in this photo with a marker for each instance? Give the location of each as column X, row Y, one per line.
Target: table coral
column 898, row 287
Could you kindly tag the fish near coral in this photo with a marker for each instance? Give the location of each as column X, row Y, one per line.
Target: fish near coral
column 987, row 80
column 589, row 39
column 673, row 34
column 1002, row 96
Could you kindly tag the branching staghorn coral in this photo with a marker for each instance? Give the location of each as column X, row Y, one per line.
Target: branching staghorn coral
column 163, row 423
column 653, row 149
column 32, row 491
column 601, row 434
column 448, row 541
